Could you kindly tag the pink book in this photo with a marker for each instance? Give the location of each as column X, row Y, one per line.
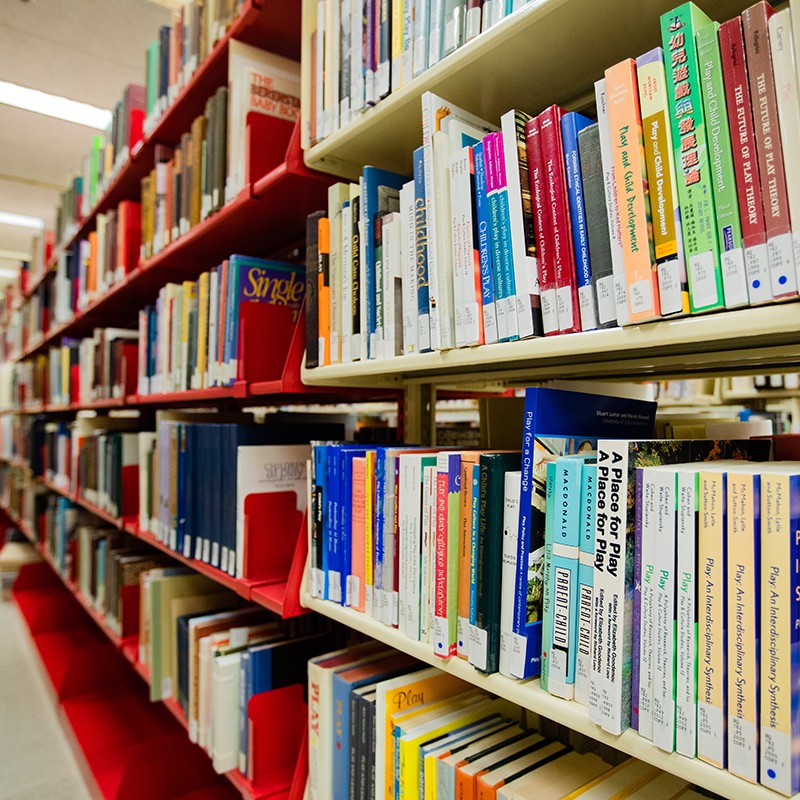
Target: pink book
column 358, row 534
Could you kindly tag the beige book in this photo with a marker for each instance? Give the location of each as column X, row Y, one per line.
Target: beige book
column 555, row 780
column 490, row 781
column 628, row 776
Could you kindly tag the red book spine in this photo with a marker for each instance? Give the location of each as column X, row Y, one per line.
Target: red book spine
column 556, row 194
column 748, row 185
column 542, row 226
column 768, row 148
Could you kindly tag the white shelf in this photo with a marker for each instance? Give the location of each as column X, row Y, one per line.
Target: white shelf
column 749, row 340
column 527, row 61
column 530, row 696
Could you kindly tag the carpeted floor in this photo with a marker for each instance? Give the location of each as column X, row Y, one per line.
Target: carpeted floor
column 36, row 761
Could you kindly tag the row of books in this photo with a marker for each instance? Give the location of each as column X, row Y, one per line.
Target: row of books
column 42, row 246
column 109, row 151
column 381, row 726
column 362, row 50
column 509, row 233
column 180, row 49
column 443, row 546
column 190, row 338
column 212, row 163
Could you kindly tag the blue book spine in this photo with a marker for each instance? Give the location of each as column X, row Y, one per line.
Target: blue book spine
column 189, row 493
column 183, row 464
column 334, row 562
column 323, row 519
column 484, row 250
column 585, row 583
column 204, row 503
column 245, row 692
column 571, row 125
column 473, row 548
column 525, row 513
column 421, row 252
column 232, row 318
column 379, row 532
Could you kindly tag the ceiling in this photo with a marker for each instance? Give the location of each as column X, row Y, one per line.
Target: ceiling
column 85, row 50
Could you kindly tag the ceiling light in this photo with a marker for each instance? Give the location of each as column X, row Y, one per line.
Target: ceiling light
column 20, row 220
column 53, row 106
column 9, row 273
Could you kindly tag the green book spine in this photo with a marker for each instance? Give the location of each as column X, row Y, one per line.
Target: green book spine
column 720, row 156
column 152, row 76
column 678, row 29
column 94, row 172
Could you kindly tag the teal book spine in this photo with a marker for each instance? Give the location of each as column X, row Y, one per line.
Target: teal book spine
column 583, row 656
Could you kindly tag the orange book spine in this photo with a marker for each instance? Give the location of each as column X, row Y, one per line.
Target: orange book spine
column 91, row 272
column 630, row 169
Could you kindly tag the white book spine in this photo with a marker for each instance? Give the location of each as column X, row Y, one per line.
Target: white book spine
column 345, row 57
column 422, row 10
column 649, row 532
column 664, row 612
column 409, row 269
column 460, row 211
column 526, row 270
column 442, row 239
column 426, row 568
column 508, row 575
column 356, row 59
column 435, row 32
column 428, row 130
column 410, row 521
column 389, row 224
column 347, row 284
column 784, row 64
column 606, row 687
column 614, row 228
column 407, row 65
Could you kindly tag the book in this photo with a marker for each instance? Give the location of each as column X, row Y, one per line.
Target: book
column 421, row 234
column 555, row 423
column 633, row 196
column 673, row 289
column 690, row 144
column 485, row 254
column 583, row 655
column 507, row 576
column 772, row 174
column 745, row 162
column 312, row 286
column 729, row 234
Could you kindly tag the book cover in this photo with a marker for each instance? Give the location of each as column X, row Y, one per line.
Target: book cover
column 633, row 196
column 729, row 233
column 771, row 170
column 745, row 161
column 665, row 212
column 556, row 423
column 572, row 124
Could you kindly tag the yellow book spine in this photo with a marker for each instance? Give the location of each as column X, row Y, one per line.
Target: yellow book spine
column 742, row 564
column 711, row 737
column 202, row 329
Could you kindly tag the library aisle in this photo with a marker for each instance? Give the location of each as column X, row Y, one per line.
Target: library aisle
column 29, row 726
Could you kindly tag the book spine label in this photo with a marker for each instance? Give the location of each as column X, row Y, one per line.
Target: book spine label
column 556, row 197
column 729, row 229
column 686, row 657
column 614, row 219
column 609, row 682
column 632, row 191
column 673, row 288
column 780, row 635
column 542, row 226
column 484, row 248
column 768, row 147
column 690, row 145
column 712, row 634
column 786, row 87
column 744, row 516
column 748, row 187
column 664, row 613
column 583, row 662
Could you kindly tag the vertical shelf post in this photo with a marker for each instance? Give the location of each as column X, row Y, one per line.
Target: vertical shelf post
column 419, row 414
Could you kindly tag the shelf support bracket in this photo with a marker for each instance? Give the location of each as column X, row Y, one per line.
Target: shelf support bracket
column 419, row 414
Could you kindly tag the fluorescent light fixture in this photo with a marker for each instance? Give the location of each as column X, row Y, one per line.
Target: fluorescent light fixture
column 52, row 105
column 20, row 220
column 8, row 273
